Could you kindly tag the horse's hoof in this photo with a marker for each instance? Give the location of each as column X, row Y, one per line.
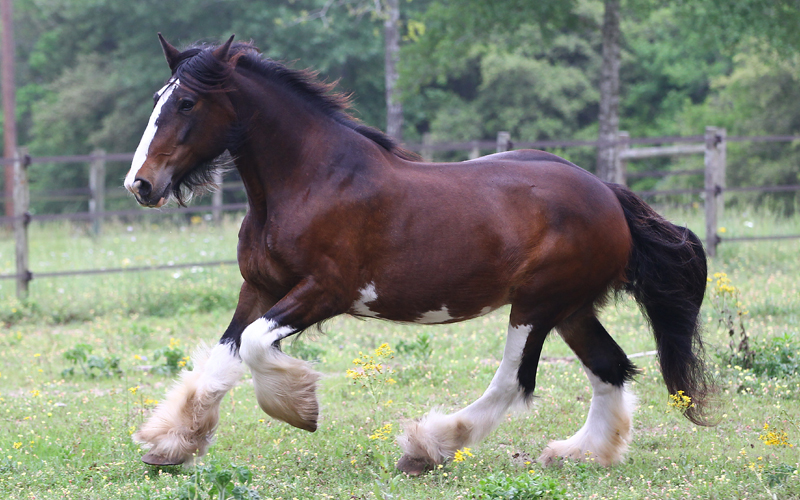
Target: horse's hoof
column 155, row 459
column 414, row 466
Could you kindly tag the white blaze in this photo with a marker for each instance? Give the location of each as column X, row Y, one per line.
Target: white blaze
column 150, row 132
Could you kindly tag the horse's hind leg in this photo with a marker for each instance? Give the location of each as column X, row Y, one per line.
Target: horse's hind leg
column 436, row 437
column 607, row 432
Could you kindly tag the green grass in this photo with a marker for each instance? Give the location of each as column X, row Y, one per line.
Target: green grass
column 68, row 436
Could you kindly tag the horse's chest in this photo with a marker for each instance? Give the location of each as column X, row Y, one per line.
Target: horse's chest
column 257, row 264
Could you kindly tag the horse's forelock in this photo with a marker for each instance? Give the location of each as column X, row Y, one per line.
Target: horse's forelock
column 203, row 72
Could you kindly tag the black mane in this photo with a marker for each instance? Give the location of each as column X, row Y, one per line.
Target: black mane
column 198, row 69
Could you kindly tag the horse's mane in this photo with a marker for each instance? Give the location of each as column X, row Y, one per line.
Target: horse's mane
column 199, row 70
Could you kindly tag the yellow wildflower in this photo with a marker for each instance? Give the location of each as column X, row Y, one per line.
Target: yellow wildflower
column 462, row 455
column 383, row 433
column 775, row 438
column 680, row 401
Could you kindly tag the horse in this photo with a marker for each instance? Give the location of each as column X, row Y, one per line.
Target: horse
column 342, row 220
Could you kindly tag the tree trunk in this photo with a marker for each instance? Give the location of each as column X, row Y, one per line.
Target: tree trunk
column 9, row 101
column 609, row 93
column 391, row 39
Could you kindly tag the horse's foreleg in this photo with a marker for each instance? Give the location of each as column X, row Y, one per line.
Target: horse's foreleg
column 182, row 425
column 286, row 387
column 607, row 432
column 436, row 437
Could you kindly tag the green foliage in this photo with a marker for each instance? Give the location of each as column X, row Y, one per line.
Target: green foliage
column 387, row 480
column 777, row 357
column 524, row 487
column 308, row 351
column 214, row 482
column 87, row 70
column 420, row 348
column 726, row 24
column 725, row 299
column 778, row 474
column 174, row 359
column 92, row 366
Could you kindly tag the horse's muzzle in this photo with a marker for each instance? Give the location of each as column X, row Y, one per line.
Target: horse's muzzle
column 143, row 191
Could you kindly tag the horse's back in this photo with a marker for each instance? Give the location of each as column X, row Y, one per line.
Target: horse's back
column 525, row 155
column 493, row 228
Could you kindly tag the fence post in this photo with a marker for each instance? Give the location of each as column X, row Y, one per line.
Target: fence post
column 721, row 170
column 97, row 186
column 620, row 165
column 427, row 152
column 216, row 198
column 713, row 190
column 21, row 220
column 475, row 151
column 503, row 141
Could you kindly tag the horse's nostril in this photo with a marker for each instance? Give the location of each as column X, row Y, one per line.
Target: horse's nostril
column 143, row 187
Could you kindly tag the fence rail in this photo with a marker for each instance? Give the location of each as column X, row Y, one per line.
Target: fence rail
column 713, row 145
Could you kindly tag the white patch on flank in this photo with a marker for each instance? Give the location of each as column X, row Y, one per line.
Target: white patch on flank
column 366, row 295
column 485, row 310
column 149, row 133
column 607, row 432
column 435, row 317
column 436, row 437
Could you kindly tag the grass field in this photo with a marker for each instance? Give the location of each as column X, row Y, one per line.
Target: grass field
column 78, row 373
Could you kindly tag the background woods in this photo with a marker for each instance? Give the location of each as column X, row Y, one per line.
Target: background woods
column 465, row 69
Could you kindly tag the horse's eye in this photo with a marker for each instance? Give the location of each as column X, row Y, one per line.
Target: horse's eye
column 185, row 105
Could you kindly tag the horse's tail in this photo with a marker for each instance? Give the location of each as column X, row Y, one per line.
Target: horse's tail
column 667, row 276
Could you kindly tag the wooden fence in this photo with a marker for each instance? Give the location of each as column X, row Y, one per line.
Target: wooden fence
column 713, row 145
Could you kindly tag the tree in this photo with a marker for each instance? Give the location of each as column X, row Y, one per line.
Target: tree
column 608, row 119
column 87, row 69
column 391, row 37
column 388, row 12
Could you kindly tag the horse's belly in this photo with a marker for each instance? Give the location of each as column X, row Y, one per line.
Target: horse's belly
column 428, row 311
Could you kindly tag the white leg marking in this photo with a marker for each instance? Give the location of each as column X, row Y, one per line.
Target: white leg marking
column 285, row 387
column 436, row 437
column 149, row 133
column 366, row 295
column 608, row 429
column 435, row 317
column 182, row 426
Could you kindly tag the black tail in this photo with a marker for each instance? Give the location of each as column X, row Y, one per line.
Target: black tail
column 667, row 276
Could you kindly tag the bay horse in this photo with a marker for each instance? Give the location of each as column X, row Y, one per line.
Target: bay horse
column 341, row 220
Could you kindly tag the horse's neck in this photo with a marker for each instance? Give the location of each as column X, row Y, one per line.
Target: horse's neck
column 286, row 144
column 274, row 150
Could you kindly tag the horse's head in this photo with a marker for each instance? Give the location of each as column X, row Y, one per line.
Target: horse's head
column 188, row 129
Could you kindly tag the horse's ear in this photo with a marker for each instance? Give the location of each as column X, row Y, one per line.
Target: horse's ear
column 221, row 52
column 170, row 52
